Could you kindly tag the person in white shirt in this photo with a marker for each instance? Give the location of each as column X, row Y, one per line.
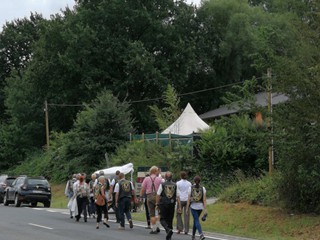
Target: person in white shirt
column 182, row 193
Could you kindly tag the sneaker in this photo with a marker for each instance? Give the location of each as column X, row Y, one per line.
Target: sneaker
column 121, row 228
column 130, row 223
column 158, row 230
column 193, row 237
column 153, row 232
column 202, row 237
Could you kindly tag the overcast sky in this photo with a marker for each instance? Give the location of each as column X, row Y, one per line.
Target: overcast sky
column 13, row 9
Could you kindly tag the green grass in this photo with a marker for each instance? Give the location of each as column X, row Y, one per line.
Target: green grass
column 59, row 200
column 263, row 223
column 257, row 222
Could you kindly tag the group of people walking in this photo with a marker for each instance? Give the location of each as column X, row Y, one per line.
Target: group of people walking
column 162, row 197
column 95, row 197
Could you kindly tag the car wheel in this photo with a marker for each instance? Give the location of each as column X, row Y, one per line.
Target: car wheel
column 46, row 204
column 33, row 204
column 5, row 200
column 17, row 202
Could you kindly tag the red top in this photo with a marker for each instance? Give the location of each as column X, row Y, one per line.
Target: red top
column 147, row 183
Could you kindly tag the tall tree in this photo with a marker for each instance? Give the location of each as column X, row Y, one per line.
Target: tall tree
column 100, row 128
column 16, row 42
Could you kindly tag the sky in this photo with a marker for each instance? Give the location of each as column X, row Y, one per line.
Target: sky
column 13, row 9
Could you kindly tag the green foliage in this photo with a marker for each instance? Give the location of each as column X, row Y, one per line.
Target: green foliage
column 297, row 122
column 99, row 129
column 36, row 164
column 151, row 153
column 168, row 114
column 16, row 43
column 233, row 143
column 263, row 190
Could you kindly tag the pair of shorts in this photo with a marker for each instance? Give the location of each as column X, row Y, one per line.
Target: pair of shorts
column 151, row 202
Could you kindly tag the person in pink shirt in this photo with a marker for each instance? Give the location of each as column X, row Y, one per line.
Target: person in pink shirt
column 150, row 186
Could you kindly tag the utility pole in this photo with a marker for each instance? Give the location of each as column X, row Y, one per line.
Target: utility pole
column 47, row 122
column 270, row 127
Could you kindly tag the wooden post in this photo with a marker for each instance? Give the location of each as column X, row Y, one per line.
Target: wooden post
column 157, row 137
column 47, row 122
column 270, row 151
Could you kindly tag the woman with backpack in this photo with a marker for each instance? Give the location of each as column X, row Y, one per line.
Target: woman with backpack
column 197, row 201
column 100, row 201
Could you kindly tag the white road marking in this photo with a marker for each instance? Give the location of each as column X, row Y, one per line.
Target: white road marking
column 51, row 211
column 40, row 226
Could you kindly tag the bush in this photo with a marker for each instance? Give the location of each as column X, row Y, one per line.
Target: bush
column 232, row 143
column 254, row 190
column 36, row 164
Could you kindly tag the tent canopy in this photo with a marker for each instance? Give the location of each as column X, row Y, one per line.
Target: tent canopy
column 187, row 123
column 108, row 172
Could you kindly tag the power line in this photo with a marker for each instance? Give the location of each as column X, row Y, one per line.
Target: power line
column 65, row 105
column 190, row 93
column 159, row 98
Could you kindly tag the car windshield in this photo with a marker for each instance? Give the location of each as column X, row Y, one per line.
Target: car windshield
column 10, row 181
column 38, row 182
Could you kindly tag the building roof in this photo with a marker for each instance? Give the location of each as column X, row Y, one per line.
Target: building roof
column 261, row 100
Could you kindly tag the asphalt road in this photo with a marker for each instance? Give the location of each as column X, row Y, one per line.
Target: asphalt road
column 27, row 223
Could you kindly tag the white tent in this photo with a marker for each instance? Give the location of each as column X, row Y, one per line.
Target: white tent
column 187, row 123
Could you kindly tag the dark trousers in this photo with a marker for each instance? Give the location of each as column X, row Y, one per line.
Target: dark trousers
column 102, row 209
column 166, row 215
column 82, row 207
column 124, row 209
column 116, row 209
column 147, row 212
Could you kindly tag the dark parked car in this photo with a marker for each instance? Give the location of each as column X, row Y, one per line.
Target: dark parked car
column 28, row 190
column 5, row 181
